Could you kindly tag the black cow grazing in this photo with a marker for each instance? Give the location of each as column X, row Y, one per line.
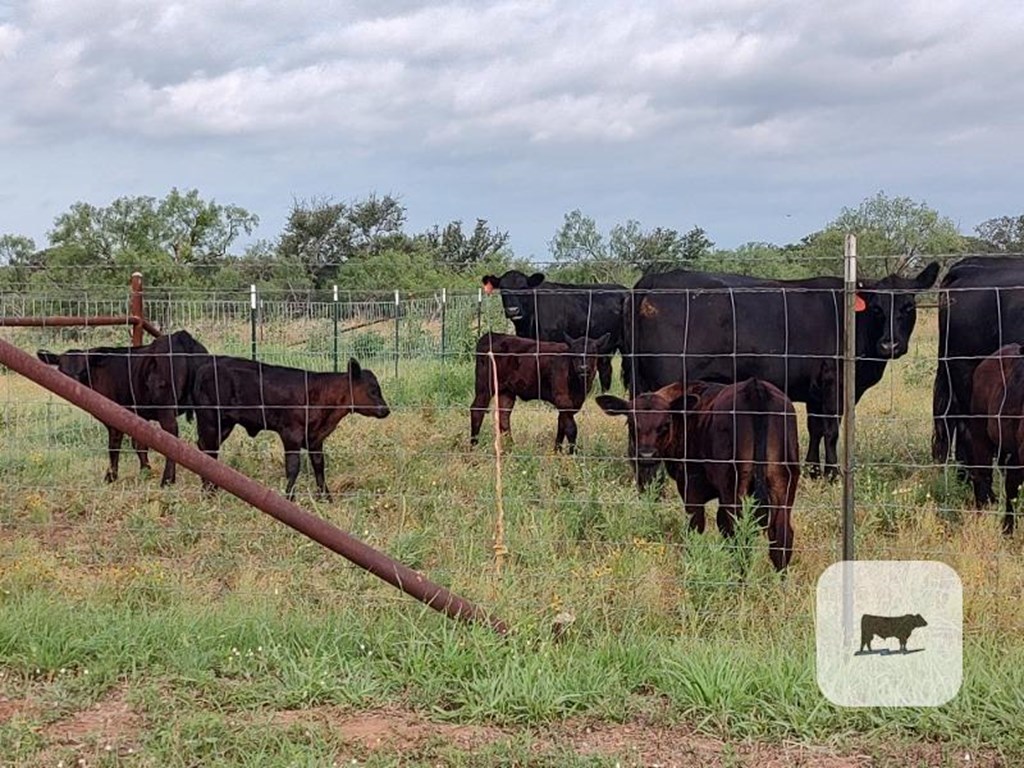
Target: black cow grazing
column 685, row 326
column 722, row 442
column 885, row 627
column 547, row 311
column 555, row 372
column 302, row 407
column 153, row 381
column 996, row 427
column 981, row 308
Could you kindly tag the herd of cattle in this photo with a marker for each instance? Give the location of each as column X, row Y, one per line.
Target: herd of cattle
column 712, row 363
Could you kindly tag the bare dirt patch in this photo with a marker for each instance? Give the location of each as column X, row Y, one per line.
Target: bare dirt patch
column 110, row 725
column 401, row 732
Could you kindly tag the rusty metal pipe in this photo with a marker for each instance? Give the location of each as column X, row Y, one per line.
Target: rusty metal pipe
column 261, row 497
column 63, row 321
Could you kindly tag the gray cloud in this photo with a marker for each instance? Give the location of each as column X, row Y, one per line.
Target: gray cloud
column 666, row 95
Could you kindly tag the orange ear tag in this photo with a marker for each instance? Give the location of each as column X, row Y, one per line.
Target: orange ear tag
column 859, row 305
column 488, row 288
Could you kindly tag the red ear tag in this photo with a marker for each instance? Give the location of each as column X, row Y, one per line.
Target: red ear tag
column 488, row 288
column 859, row 305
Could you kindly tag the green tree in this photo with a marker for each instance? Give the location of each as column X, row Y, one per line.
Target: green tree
column 323, row 235
column 1003, row 234
column 577, row 240
column 17, row 250
column 898, row 229
column 657, row 249
column 455, row 251
column 196, row 231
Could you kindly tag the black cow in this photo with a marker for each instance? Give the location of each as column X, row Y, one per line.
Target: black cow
column 885, row 627
column 547, row 311
column 557, row 373
column 153, row 381
column 981, row 308
column 685, row 326
column 302, row 407
column 722, row 442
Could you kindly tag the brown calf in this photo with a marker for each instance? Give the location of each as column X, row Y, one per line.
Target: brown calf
column 557, row 373
column 996, row 426
column 302, row 407
column 153, row 381
column 722, row 442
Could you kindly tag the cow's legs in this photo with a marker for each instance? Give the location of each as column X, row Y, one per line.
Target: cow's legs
column 1014, row 476
column 143, row 453
column 831, row 440
column 979, row 463
column 114, row 439
column 815, row 432
column 780, row 538
column 505, row 403
column 566, row 430
column 694, row 498
column 212, row 435
column 316, row 459
column 822, row 429
column 477, row 412
column 604, row 372
column 292, row 460
column 170, row 424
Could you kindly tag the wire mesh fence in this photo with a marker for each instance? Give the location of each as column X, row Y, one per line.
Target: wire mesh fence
column 577, row 529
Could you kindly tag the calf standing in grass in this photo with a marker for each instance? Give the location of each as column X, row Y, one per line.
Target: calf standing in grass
column 722, row 442
column 302, row 407
column 153, row 381
column 557, row 373
column 996, row 426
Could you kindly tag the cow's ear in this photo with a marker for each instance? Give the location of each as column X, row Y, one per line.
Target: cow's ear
column 535, row 279
column 612, row 405
column 48, row 357
column 926, row 278
column 353, row 368
column 600, row 344
column 490, row 283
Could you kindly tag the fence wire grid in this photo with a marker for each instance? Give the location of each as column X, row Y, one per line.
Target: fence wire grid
column 413, row 485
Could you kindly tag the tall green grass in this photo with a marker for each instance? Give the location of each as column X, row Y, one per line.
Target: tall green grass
column 203, row 613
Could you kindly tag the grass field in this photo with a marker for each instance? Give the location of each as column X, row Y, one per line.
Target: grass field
column 142, row 626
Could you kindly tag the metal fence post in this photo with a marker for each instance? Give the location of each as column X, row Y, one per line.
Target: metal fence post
column 398, row 312
column 252, row 318
column 849, row 404
column 479, row 311
column 335, row 329
column 849, row 392
column 444, row 307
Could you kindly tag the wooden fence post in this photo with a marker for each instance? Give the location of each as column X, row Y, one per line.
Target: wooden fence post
column 136, row 309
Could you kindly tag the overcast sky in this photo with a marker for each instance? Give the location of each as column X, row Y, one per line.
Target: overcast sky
column 755, row 121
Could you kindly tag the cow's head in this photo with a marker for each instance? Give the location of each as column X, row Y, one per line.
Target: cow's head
column 651, row 419
column 364, row 389
column 887, row 312
column 516, row 292
column 917, row 620
column 73, row 363
column 584, row 352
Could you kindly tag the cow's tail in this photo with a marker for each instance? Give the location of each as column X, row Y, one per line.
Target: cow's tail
column 761, row 491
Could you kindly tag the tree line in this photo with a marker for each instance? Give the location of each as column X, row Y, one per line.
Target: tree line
column 183, row 242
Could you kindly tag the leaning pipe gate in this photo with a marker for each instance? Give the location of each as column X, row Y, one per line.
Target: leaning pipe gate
column 256, row 494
